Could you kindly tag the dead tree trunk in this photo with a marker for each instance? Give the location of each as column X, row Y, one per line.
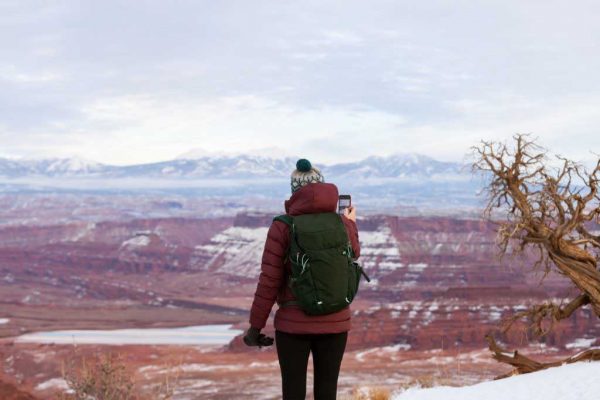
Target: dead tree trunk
column 549, row 211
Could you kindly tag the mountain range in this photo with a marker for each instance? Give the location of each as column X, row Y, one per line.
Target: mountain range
column 244, row 166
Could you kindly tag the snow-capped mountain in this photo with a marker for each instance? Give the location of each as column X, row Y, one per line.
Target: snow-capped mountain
column 211, row 167
column 233, row 167
column 375, row 182
column 395, row 166
column 51, row 167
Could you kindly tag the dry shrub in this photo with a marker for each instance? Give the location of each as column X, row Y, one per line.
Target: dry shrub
column 105, row 376
column 374, row 393
column 165, row 389
column 424, row 381
column 101, row 377
column 429, row 381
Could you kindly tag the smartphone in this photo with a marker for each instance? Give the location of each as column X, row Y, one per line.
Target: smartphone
column 344, row 202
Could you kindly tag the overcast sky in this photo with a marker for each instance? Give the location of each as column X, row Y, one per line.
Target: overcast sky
column 139, row 81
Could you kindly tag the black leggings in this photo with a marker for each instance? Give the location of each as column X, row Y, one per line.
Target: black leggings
column 293, row 351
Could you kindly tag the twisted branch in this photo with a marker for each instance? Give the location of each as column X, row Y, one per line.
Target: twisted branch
column 550, row 211
column 523, row 364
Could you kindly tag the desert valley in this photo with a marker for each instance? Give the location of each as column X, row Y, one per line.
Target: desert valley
column 178, row 272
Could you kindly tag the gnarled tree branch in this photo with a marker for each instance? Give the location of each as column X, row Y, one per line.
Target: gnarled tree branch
column 548, row 210
column 523, row 364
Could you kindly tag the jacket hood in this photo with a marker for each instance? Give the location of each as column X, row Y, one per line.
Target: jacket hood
column 313, row 198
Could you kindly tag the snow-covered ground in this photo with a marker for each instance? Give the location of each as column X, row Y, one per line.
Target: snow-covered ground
column 190, row 335
column 578, row 381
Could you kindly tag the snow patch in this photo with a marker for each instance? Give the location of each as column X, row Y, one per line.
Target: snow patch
column 418, row 267
column 196, row 384
column 360, row 356
column 54, row 383
column 4, row 321
column 198, row 367
column 581, row 343
column 578, row 381
column 190, row 335
column 89, row 227
column 379, row 249
column 137, row 241
column 236, row 251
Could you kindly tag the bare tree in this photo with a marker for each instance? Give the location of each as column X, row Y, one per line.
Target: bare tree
column 549, row 211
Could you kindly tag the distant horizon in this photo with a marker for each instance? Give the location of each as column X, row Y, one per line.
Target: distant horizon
column 224, row 155
column 591, row 157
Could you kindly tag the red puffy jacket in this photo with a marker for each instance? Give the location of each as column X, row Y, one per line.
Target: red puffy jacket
column 309, row 199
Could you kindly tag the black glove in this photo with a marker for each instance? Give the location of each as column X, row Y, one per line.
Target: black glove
column 253, row 337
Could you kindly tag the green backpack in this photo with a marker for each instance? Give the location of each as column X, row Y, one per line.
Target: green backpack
column 324, row 276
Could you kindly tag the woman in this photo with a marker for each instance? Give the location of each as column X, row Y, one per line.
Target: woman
column 296, row 333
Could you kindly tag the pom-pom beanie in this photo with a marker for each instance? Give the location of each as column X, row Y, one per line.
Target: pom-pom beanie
column 304, row 174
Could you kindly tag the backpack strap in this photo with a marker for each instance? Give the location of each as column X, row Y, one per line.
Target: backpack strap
column 351, row 256
column 289, row 221
column 286, row 219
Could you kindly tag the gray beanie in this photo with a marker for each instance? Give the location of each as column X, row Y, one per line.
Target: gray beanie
column 304, row 174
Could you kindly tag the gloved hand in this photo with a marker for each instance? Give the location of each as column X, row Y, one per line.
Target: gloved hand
column 253, row 337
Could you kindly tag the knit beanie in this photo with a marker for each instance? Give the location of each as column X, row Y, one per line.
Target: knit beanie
column 304, row 174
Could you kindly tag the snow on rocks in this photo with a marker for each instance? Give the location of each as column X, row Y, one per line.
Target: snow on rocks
column 377, row 351
column 379, row 249
column 83, row 232
column 137, row 241
column 581, row 343
column 54, row 383
column 236, row 250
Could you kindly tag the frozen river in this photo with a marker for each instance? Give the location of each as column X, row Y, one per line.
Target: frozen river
column 189, row 335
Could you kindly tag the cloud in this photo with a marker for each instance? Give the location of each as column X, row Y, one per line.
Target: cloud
column 332, row 38
column 122, row 83
column 10, row 74
column 171, row 126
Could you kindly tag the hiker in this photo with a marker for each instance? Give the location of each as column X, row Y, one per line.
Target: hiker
column 296, row 332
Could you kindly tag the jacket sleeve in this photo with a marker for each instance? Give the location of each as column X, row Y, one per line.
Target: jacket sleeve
column 271, row 275
column 352, row 230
